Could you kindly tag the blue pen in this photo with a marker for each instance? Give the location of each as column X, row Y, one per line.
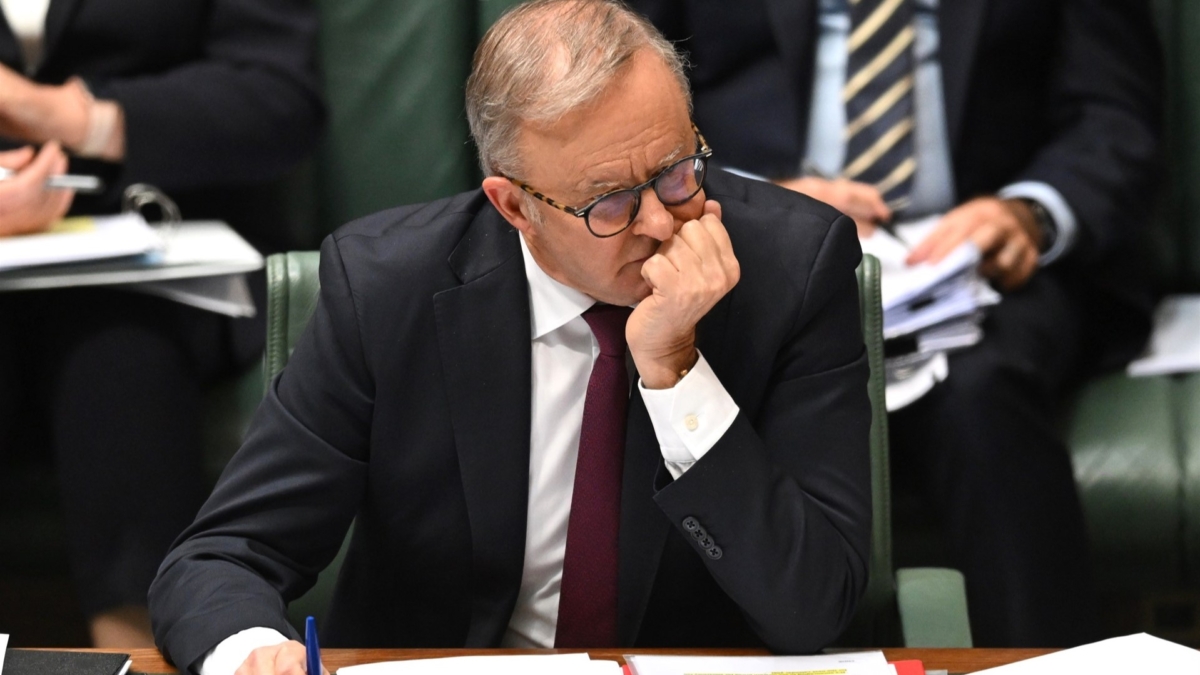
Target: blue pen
column 311, row 646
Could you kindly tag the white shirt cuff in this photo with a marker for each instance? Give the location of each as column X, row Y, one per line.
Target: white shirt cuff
column 1060, row 211
column 688, row 418
column 228, row 656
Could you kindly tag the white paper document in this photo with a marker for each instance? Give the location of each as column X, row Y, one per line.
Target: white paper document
column 1175, row 343
column 910, row 379
column 80, row 239
column 851, row 663
column 540, row 664
column 190, row 249
column 939, row 305
column 3, row 650
column 1139, row 653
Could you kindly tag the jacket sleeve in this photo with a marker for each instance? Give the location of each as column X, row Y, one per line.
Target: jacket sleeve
column 243, row 112
column 785, row 496
column 1105, row 108
column 285, row 501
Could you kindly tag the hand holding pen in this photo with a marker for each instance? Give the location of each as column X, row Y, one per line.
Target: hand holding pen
column 26, row 205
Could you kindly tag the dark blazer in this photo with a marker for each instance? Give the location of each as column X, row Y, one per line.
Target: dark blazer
column 1066, row 92
column 406, row 405
column 221, row 97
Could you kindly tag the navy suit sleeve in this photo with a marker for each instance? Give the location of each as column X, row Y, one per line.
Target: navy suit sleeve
column 786, row 495
column 285, row 501
column 1105, row 112
column 243, row 112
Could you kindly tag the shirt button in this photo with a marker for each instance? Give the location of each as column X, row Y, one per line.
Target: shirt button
column 691, row 422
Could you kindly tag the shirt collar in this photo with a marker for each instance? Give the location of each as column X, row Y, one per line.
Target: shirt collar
column 551, row 304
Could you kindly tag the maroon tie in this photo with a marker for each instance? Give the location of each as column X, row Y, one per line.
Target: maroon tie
column 587, row 605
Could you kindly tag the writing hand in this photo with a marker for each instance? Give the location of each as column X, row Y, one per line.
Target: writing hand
column 862, row 202
column 25, row 204
column 689, row 274
column 286, row 658
column 1007, row 238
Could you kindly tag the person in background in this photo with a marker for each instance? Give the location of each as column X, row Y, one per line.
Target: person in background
column 1033, row 126
column 212, row 102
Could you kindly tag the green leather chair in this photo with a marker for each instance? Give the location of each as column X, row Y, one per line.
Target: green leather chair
column 923, row 607
column 1135, row 442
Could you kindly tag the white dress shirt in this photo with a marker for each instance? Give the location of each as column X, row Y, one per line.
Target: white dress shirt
column 688, row 421
column 27, row 19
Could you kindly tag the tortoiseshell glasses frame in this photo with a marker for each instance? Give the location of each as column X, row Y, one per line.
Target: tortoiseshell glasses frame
column 624, row 204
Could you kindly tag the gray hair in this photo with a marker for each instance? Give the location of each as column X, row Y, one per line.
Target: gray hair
column 546, row 58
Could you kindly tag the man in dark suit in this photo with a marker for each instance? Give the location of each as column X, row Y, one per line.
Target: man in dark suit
column 462, row 392
column 1032, row 126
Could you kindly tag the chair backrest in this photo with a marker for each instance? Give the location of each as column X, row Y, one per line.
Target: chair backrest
column 292, row 287
column 877, row 622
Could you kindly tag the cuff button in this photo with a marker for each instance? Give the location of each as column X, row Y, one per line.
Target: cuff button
column 714, row 553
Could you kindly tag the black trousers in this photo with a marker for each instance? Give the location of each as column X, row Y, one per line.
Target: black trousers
column 986, row 447
column 110, row 384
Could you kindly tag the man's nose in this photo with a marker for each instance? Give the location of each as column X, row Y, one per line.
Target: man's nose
column 653, row 219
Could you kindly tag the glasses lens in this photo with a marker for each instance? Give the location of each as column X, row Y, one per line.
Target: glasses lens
column 681, row 181
column 611, row 214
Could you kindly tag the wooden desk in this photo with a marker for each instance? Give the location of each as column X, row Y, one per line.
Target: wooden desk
column 953, row 660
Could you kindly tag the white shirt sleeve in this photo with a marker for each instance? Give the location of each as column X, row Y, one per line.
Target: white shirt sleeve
column 688, row 418
column 228, row 656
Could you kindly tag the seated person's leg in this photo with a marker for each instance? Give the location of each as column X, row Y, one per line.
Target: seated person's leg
column 125, row 416
column 986, row 448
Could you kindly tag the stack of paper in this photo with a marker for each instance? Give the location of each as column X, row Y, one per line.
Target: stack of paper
column 855, row 663
column 1175, row 343
column 928, row 309
column 1139, row 653
column 200, row 263
column 80, row 239
column 548, row 664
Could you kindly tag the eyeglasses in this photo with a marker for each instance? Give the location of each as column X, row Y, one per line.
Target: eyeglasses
column 612, row 213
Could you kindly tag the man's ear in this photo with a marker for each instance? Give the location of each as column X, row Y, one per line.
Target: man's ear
column 506, row 197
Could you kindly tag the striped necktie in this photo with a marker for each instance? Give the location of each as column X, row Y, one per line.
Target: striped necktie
column 879, row 98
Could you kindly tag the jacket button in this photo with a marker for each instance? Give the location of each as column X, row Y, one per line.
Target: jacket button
column 691, row 524
column 706, row 543
column 714, row 553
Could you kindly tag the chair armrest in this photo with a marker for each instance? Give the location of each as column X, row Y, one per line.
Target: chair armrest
column 933, row 607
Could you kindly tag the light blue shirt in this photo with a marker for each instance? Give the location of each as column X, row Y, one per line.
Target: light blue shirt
column 933, row 182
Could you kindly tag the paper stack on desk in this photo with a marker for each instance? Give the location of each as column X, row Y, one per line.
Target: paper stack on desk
column 80, row 239
column 198, row 263
column 850, row 663
column 506, row 664
column 928, row 309
column 1140, row 653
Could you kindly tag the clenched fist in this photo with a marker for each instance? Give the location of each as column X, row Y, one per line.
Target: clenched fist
column 688, row 275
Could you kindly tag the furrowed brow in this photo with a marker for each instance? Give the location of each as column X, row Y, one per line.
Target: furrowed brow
column 599, row 187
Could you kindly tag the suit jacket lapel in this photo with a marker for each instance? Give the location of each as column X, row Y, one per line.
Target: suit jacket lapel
column 959, row 23
column 483, row 334
column 58, row 17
